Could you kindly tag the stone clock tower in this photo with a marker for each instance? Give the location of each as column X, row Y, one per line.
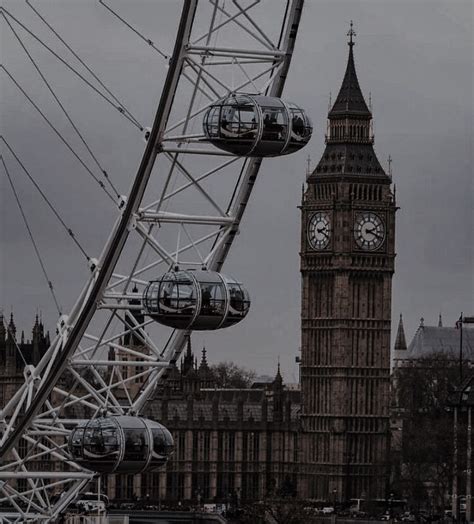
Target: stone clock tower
column 347, row 263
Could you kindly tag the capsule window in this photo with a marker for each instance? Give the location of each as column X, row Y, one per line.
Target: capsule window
column 239, row 299
column 238, row 122
column 176, row 296
column 212, row 121
column 275, row 127
column 212, row 298
column 136, row 448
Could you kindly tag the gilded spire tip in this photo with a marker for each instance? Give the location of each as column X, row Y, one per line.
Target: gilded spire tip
column 351, row 33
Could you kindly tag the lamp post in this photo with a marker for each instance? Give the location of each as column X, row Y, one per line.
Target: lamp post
column 466, row 320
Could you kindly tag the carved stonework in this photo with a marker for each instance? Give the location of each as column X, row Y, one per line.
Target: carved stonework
column 347, row 263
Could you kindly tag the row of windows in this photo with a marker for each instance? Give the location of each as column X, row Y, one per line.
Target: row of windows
column 368, row 396
column 318, row 296
column 317, row 346
column 367, row 298
column 372, row 261
column 368, row 192
column 343, row 131
column 148, row 486
column 226, row 452
column 325, row 191
column 333, row 168
column 367, row 349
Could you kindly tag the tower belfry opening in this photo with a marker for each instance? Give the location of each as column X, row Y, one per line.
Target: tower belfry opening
column 347, row 263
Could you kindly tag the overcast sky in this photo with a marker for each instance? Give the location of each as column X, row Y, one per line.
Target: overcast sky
column 415, row 58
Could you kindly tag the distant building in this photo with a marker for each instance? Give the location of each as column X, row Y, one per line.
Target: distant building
column 15, row 354
column 433, row 340
column 232, row 445
column 425, row 373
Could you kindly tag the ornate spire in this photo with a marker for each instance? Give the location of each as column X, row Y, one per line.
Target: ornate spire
column 3, row 331
column 11, row 328
column 36, row 330
column 278, row 381
column 400, row 341
column 349, row 135
column 188, row 361
column 351, row 33
column 350, row 99
column 204, row 363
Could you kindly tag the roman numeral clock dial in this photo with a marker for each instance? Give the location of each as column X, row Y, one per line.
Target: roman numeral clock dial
column 319, row 230
column 369, row 231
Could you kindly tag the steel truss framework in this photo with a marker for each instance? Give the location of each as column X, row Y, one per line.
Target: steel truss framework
column 184, row 208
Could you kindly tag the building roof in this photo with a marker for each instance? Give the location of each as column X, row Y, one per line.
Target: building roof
column 350, row 159
column 350, row 99
column 446, row 340
column 350, row 155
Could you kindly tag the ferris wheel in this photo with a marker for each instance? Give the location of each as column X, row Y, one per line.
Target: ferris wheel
column 79, row 412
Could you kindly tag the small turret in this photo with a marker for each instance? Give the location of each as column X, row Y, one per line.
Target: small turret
column 206, row 377
column 187, row 364
column 400, row 341
column 11, row 328
column 277, row 387
column 3, row 331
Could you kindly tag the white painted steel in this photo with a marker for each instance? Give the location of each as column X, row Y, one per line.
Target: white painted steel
column 88, row 366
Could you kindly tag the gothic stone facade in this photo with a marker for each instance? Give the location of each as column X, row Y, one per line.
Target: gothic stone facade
column 347, row 263
column 232, row 445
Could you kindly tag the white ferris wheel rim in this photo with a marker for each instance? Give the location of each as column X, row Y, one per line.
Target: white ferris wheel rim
column 67, row 351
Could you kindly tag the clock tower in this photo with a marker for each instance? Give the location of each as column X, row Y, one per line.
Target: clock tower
column 347, row 263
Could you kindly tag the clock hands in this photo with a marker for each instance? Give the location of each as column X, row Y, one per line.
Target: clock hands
column 323, row 230
column 372, row 232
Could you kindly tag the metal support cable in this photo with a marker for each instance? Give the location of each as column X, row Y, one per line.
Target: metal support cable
column 81, row 61
column 147, row 40
column 63, row 140
column 63, row 109
column 119, row 108
column 35, row 246
column 45, row 198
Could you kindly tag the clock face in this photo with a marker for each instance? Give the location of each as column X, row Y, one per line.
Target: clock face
column 319, row 230
column 369, row 231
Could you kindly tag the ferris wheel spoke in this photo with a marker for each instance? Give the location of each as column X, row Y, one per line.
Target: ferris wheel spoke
column 161, row 260
column 207, row 89
column 200, row 68
column 257, row 28
column 234, row 19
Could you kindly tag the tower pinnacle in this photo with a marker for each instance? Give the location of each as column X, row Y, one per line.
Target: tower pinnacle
column 349, row 132
column 400, row 341
column 351, row 33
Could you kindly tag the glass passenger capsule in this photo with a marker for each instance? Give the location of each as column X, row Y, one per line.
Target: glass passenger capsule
column 254, row 125
column 200, row 300
column 121, row 444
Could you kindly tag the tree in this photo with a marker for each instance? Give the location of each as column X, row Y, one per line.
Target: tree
column 421, row 392
column 230, row 375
